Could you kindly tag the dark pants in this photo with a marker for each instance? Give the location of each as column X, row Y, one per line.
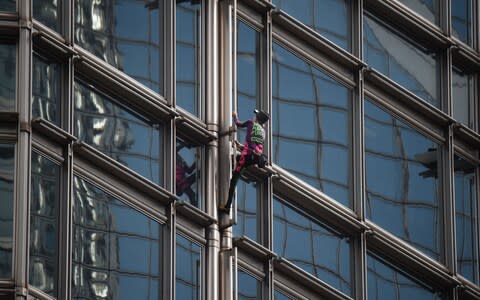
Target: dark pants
column 244, row 161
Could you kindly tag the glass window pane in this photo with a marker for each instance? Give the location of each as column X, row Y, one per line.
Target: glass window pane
column 385, row 282
column 323, row 253
column 119, row 133
column 187, row 172
column 463, row 97
column 46, row 90
column 429, row 9
column 127, row 34
column 189, row 269
column 117, row 251
column 280, row 296
column 311, row 125
column 466, row 219
column 462, row 16
column 331, row 18
column 249, row 288
column 8, row 76
column 7, row 167
column 188, row 30
column 8, row 5
column 413, row 68
column 246, row 210
column 49, row 12
column 403, row 187
column 45, row 198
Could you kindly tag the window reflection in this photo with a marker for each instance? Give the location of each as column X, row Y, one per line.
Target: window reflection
column 188, row 54
column 188, row 269
column 280, row 296
column 330, row 18
column 7, row 167
column 117, row 251
column 8, row 80
column 311, row 125
column 46, row 89
column 8, row 5
column 402, row 181
column 187, row 172
column 408, row 65
column 462, row 16
column 429, row 9
column 463, row 97
column 127, row 34
column 117, row 132
column 312, row 246
column 43, row 224
column 48, row 12
column 246, row 210
column 466, row 219
column 249, row 288
column 385, row 282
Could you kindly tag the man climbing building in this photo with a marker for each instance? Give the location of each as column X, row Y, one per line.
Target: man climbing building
column 252, row 150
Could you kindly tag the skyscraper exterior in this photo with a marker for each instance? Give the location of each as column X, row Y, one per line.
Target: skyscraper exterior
column 117, row 146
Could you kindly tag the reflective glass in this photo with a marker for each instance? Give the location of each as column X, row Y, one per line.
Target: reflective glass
column 117, row 251
column 403, row 188
column 463, row 97
column 188, row 270
column 466, row 219
column 385, row 282
column 49, row 12
column 119, row 133
column 246, row 210
column 188, row 54
column 8, row 76
column 331, row 18
column 46, row 89
column 462, row 17
column 249, row 288
column 280, row 296
column 128, row 34
column 429, row 9
column 7, row 167
column 414, row 68
column 311, row 125
column 8, row 5
column 312, row 246
column 187, row 172
column 45, row 197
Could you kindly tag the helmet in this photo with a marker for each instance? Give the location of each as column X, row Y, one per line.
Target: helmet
column 262, row 116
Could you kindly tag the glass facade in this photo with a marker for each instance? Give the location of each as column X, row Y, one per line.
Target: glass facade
column 280, row 296
column 188, row 172
column 463, row 105
column 429, row 9
column 8, row 76
column 46, row 89
column 462, row 21
column 249, row 288
column 8, row 5
column 188, row 269
column 7, row 168
column 247, row 210
column 49, row 12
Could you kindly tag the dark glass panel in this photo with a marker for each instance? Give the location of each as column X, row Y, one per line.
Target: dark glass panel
column 312, row 246
column 249, row 288
column 402, row 181
column 246, row 210
column 8, row 5
column 429, row 9
column 8, row 76
column 188, row 171
column 311, row 125
column 119, row 133
column 189, row 269
column 463, row 97
column 280, row 296
column 49, row 12
column 44, row 212
column 7, row 167
column 46, row 90
column 462, row 16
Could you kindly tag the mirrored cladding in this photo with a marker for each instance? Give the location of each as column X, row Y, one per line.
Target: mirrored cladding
column 463, row 97
column 117, row 251
column 188, row 54
column 188, row 269
column 403, row 169
column 386, row 282
column 8, row 5
column 312, row 246
column 311, row 125
column 46, row 89
column 462, row 20
column 45, row 197
column 466, row 211
column 412, row 67
column 428, row 9
column 8, row 75
column 49, row 12
column 7, row 167
column 118, row 132
column 127, row 34
column 188, row 170
column 248, row 287
column 330, row 18
column 247, row 210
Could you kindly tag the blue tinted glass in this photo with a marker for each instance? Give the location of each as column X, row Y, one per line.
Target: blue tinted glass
column 330, row 18
column 413, row 68
column 48, row 12
column 280, row 296
column 188, row 269
column 402, row 180
column 116, row 249
column 46, row 90
column 8, row 5
column 246, row 210
column 127, row 34
column 118, row 133
column 249, row 288
column 188, row 42
column 187, row 172
column 312, row 247
column 8, row 76
column 385, row 282
column 7, row 167
column 466, row 219
column 45, row 195
column 463, row 97
column 311, row 125
column 429, row 9
column 462, row 16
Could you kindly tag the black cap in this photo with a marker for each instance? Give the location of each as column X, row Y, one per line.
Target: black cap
column 262, row 116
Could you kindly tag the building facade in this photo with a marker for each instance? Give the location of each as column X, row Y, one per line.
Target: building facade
column 117, row 145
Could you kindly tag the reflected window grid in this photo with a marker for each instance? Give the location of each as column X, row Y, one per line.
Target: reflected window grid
column 463, row 97
column 247, row 206
column 249, row 288
column 49, row 12
column 7, row 175
column 188, row 269
column 46, row 89
column 8, row 76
